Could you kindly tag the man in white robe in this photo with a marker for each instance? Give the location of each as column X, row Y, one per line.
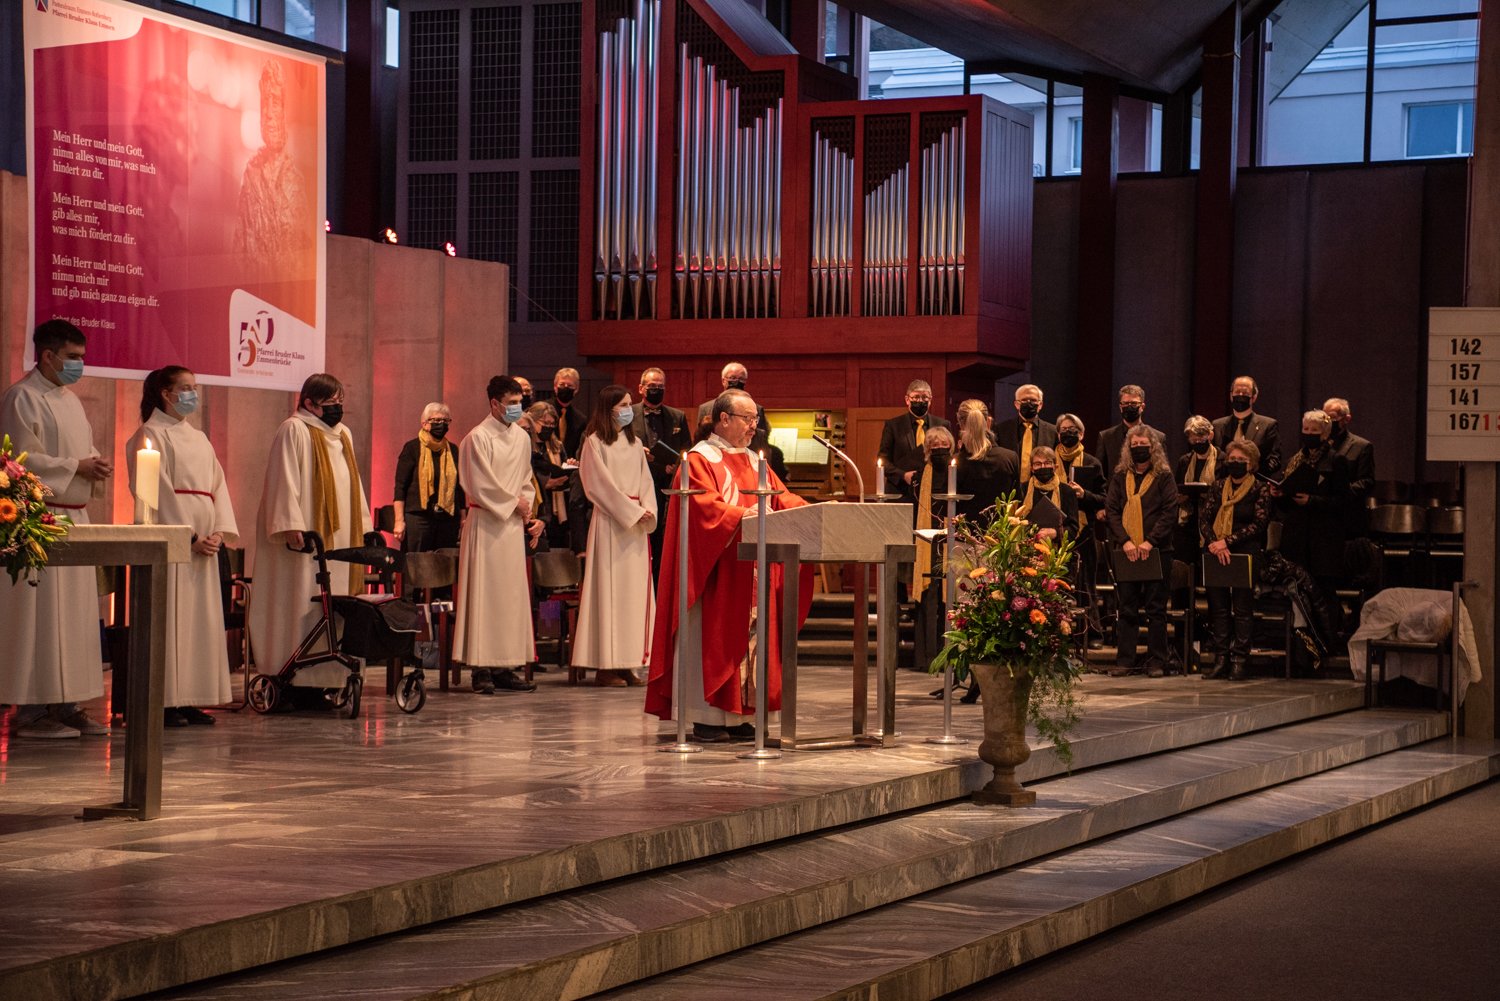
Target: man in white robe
column 191, row 491
column 294, row 502
column 51, row 631
column 492, row 628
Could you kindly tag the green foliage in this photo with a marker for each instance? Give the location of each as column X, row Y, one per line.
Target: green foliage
column 27, row 529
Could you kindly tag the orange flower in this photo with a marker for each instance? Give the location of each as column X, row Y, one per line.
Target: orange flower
column 1038, row 617
column 8, row 510
column 1029, row 571
column 1042, row 548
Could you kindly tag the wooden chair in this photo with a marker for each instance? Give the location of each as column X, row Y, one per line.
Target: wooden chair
column 558, row 576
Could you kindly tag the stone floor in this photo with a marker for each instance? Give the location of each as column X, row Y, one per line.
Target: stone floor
column 368, row 826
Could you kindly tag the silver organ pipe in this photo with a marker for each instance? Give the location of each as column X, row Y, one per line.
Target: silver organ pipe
column 832, row 228
column 626, row 158
column 885, row 249
column 940, row 262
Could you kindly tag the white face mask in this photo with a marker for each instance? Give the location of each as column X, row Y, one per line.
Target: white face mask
column 187, row 401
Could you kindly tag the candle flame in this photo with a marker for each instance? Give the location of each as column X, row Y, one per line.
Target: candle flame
column 148, row 445
column 762, row 455
column 953, row 461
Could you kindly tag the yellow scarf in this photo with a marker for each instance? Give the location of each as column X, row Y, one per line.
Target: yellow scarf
column 1224, row 520
column 1028, row 433
column 426, row 468
column 924, row 520
column 1070, row 456
column 1207, row 466
column 1134, row 518
column 325, row 500
column 1032, row 489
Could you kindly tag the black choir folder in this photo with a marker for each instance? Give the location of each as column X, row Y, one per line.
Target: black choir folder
column 1135, row 570
column 1238, row 573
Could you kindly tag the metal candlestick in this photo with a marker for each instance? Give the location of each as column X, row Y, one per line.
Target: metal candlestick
column 762, row 602
column 679, row 680
column 950, row 599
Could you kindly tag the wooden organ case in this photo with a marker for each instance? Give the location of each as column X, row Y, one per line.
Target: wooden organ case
column 736, row 204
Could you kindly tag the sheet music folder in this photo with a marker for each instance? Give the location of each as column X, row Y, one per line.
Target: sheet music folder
column 1136, row 570
column 1239, row 572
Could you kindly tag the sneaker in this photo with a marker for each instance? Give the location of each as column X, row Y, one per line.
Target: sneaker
column 45, row 728
column 75, row 718
column 481, row 682
column 510, row 681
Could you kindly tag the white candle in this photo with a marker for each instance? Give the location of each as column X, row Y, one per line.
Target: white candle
column 148, row 477
column 880, row 477
column 953, row 475
column 763, row 482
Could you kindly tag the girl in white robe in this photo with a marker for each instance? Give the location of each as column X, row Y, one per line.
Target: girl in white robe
column 281, row 607
column 191, row 491
column 617, row 605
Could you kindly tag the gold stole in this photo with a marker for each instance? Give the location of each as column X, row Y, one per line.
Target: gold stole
column 326, row 501
column 924, row 520
column 426, row 470
column 1224, row 519
column 1135, row 520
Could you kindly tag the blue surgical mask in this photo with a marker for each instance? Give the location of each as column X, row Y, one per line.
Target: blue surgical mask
column 513, row 413
column 72, row 371
column 625, row 416
column 187, row 402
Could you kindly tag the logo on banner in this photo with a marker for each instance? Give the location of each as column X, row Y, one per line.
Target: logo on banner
column 269, row 345
column 255, row 334
column 41, row 5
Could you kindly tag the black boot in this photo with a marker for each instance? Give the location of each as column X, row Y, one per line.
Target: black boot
column 1239, row 672
column 1221, row 668
column 481, row 682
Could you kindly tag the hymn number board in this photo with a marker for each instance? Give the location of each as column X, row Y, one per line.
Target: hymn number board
column 1463, row 385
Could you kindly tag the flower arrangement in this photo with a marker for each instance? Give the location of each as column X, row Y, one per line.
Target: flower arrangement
column 27, row 529
column 1014, row 609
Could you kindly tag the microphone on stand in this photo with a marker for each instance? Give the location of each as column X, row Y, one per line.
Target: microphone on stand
column 847, row 462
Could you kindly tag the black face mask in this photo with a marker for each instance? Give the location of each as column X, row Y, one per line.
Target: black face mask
column 1043, row 475
column 1201, row 447
column 1130, row 414
column 544, row 433
column 438, row 430
column 655, row 395
column 526, row 401
column 1310, row 442
column 332, row 414
column 1140, row 454
column 736, row 384
column 919, row 408
column 940, row 457
column 1069, row 439
column 1030, row 410
column 564, row 394
column 1236, row 469
column 1240, row 403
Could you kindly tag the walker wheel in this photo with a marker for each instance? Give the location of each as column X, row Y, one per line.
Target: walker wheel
column 348, row 697
column 411, row 694
column 263, row 693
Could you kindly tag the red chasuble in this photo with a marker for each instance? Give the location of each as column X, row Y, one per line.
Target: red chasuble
column 723, row 583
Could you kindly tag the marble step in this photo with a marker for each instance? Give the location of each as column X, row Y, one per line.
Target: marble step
column 567, row 840
column 942, row 941
column 576, row 944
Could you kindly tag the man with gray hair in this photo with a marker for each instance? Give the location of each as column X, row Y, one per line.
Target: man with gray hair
column 657, row 424
column 428, row 498
column 901, row 442
column 1357, row 451
column 731, row 376
column 1132, row 415
column 1026, row 430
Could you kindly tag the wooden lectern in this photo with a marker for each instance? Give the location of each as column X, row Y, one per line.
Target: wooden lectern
column 146, row 549
column 839, row 533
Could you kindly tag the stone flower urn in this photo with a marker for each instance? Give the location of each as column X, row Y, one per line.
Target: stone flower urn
column 1004, row 699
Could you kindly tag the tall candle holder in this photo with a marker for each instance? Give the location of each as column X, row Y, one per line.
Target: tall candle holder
column 763, row 494
column 679, row 678
column 950, row 598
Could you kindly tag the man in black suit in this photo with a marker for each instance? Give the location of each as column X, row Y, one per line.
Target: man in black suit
column 1245, row 423
column 571, row 418
column 1112, row 439
column 656, row 422
column 901, row 442
column 1358, row 452
column 1026, row 430
column 731, row 376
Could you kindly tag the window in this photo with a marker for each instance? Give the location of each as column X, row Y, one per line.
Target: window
column 1075, row 145
column 240, row 10
column 392, row 36
column 1445, row 129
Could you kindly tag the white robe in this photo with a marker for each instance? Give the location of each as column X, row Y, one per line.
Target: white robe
column 617, row 605
column 281, row 607
column 197, row 655
column 52, row 630
column 492, row 627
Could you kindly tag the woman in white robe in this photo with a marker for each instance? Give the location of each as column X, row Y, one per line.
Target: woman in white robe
column 191, row 491
column 617, row 605
column 292, row 503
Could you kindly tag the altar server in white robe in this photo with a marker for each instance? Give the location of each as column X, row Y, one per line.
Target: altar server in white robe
column 51, row 631
column 191, row 491
column 617, row 605
column 492, row 628
column 312, row 485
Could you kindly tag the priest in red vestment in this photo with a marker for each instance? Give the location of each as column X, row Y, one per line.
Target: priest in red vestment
column 721, row 587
